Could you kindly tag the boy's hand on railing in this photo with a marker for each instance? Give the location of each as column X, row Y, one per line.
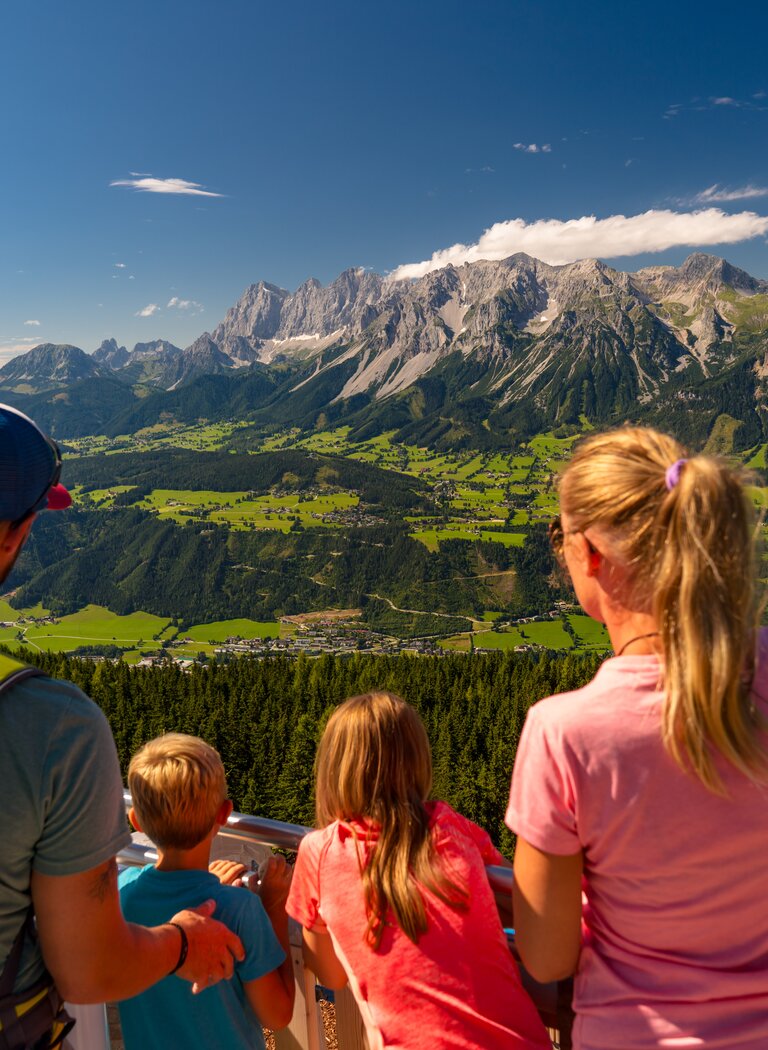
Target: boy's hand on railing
column 212, row 947
column 228, row 872
column 275, row 883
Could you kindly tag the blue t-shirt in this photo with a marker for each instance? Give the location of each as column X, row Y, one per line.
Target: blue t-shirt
column 168, row 1014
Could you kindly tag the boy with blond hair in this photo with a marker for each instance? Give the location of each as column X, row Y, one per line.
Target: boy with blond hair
column 179, row 793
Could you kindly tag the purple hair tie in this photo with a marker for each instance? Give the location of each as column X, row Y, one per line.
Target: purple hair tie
column 672, row 475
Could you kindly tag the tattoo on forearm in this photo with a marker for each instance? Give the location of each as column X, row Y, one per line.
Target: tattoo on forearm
column 104, row 883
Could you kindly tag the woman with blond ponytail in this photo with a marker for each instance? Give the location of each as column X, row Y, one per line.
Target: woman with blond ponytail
column 648, row 788
column 392, row 894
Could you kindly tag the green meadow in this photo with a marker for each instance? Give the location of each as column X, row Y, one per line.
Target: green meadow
column 93, row 625
column 135, row 633
column 431, row 538
column 242, row 510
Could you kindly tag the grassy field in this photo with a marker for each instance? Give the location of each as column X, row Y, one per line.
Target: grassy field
column 431, row 538
column 202, row 438
column 93, row 625
column 134, row 634
column 220, row 630
column 589, row 633
column 549, row 634
column 242, row 510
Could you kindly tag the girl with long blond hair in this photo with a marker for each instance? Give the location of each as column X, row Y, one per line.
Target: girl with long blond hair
column 648, row 787
column 393, row 897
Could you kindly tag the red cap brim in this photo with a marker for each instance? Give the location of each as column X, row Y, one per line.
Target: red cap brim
column 58, row 498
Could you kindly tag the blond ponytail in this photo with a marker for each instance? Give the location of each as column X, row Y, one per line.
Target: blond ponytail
column 687, row 541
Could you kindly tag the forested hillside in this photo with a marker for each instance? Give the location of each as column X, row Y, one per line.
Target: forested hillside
column 132, row 560
column 265, row 717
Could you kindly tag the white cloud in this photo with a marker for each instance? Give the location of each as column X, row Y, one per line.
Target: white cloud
column 184, row 304
column 12, row 348
column 533, row 148
column 188, row 306
column 119, row 266
column 556, row 241
column 719, row 194
column 149, row 184
column 703, row 105
column 149, row 310
column 36, row 324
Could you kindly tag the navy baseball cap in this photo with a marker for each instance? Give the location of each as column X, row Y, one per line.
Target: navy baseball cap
column 30, row 467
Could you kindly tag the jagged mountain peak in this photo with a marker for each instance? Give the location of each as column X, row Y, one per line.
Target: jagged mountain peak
column 111, row 354
column 155, row 346
column 703, row 273
column 49, row 365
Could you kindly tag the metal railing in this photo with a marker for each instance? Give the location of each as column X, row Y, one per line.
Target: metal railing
column 305, row 1032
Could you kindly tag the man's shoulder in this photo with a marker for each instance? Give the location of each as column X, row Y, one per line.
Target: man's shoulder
column 54, row 692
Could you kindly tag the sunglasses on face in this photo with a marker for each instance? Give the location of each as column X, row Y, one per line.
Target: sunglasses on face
column 557, row 536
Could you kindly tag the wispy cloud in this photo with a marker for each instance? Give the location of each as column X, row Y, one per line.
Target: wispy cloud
column 10, row 348
column 35, row 324
column 187, row 305
column 148, row 310
column 556, row 241
column 701, row 105
column 533, row 147
column 722, row 195
column 149, row 184
column 119, row 266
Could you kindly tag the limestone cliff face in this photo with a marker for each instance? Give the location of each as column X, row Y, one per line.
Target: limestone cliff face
column 578, row 338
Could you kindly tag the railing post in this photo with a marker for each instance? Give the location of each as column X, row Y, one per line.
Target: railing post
column 350, row 1030
column 305, row 1032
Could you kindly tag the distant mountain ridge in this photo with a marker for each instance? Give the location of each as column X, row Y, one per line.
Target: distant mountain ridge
column 510, row 346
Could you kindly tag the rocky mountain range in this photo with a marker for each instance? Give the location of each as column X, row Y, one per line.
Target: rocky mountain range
column 486, row 351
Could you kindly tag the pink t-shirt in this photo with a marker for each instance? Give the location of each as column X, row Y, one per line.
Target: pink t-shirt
column 675, row 924
column 458, row 987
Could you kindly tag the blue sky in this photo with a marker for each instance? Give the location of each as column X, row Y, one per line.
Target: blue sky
column 356, row 134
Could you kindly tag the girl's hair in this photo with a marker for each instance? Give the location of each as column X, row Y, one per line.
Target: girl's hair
column 687, row 542
column 374, row 763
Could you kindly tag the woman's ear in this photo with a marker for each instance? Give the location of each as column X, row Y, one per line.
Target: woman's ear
column 584, row 554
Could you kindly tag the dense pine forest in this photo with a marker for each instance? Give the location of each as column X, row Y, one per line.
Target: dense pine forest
column 266, row 716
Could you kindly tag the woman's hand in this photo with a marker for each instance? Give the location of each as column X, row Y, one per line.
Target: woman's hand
column 276, row 876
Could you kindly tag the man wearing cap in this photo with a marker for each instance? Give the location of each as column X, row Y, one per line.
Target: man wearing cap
column 62, row 817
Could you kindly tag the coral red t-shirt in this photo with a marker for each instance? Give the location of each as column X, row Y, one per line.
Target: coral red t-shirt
column 675, row 924
column 458, row 987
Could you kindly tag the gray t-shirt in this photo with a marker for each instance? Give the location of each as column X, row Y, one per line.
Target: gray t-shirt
column 61, row 810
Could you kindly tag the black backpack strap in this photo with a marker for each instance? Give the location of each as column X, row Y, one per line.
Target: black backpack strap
column 34, row 1019
column 11, row 968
